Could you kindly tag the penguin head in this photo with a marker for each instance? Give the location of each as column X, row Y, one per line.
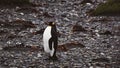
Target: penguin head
column 51, row 23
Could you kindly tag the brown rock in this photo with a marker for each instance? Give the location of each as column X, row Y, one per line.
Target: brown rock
column 27, row 10
column 27, row 24
column 34, row 48
column 62, row 48
column 77, row 27
column 66, row 46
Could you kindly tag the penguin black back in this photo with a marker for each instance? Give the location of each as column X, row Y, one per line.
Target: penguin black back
column 53, row 41
column 53, row 30
column 54, row 37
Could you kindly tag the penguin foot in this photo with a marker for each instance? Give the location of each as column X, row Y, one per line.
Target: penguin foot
column 54, row 58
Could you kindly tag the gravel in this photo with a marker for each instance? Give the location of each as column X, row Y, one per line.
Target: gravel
column 101, row 38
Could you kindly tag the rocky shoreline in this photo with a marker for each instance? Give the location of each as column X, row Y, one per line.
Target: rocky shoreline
column 84, row 41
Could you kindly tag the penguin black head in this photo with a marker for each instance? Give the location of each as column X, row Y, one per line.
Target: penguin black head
column 51, row 23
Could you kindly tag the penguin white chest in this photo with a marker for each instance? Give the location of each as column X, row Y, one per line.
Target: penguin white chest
column 46, row 37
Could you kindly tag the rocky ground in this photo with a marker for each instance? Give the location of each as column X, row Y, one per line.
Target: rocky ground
column 84, row 41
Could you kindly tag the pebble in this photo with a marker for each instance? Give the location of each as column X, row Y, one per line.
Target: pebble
column 1, row 48
column 102, row 53
column 39, row 55
column 96, row 31
column 21, row 13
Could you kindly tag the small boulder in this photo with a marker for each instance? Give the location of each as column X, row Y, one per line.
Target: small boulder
column 101, row 60
column 106, row 33
column 66, row 46
column 77, row 27
column 86, row 1
column 27, row 10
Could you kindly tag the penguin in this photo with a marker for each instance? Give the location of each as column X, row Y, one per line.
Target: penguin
column 50, row 40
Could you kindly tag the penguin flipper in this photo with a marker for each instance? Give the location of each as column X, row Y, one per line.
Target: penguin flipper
column 50, row 43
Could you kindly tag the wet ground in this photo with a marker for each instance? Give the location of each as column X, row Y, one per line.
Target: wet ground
column 84, row 41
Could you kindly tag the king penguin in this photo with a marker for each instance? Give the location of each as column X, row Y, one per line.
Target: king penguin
column 50, row 40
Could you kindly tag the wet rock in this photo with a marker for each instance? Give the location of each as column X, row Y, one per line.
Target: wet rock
column 65, row 66
column 27, row 10
column 101, row 60
column 62, row 48
column 108, row 66
column 78, row 28
column 106, row 33
column 17, row 46
column 34, row 47
column 64, row 14
column 22, row 47
column 2, row 32
column 75, row 44
column 86, row 1
column 46, row 14
column 104, row 41
column 101, row 65
column 39, row 4
column 98, row 65
column 2, row 24
column 66, row 46
column 103, row 20
column 6, row 48
column 18, row 24
column 27, row 24
column 12, row 36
